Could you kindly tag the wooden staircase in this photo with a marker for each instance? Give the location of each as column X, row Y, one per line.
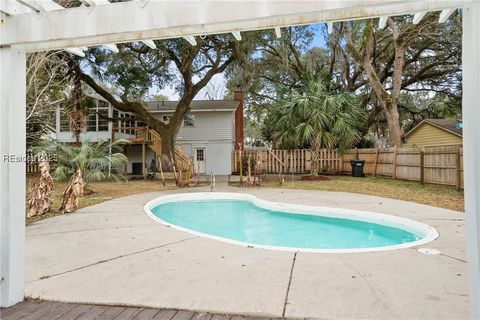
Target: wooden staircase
column 183, row 166
column 150, row 137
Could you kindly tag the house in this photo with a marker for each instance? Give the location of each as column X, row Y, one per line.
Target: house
column 208, row 133
column 435, row 132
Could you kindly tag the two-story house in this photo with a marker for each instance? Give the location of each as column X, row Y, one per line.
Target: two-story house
column 208, row 133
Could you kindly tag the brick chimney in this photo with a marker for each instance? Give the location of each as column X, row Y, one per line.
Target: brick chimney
column 238, row 95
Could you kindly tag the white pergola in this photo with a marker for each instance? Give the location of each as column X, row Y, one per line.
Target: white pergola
column 36, row 25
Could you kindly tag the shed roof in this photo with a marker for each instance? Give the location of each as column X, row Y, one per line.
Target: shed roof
column 449, row 125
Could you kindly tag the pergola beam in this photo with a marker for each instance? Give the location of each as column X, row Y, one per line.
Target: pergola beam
column 329, row 27
column 382, row 22
column 114, row 24
column 418, row 17
column 278, row 32
column 191, row 40
column 76, row 51
column 471, row 147
column 12, row 184
column 11, row 7
column 112, row 47
column 41, row 5
column 237, row 35
column 149, row 43
column 445, row 14
column 93, row 3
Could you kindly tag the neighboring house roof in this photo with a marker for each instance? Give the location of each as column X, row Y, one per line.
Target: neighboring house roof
column 196, row 105
column 449, row 125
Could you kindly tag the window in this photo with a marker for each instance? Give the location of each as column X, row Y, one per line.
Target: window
column 115, row 122
column 102, row 119
column 166, row 119
column 189, row 121
column 64, row 120
column 92, row 121
column 131, row 125
column 102, row 104
column 200, row 154
column 122, row 123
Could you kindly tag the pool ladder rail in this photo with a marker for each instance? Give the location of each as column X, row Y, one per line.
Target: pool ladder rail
column 212, row 181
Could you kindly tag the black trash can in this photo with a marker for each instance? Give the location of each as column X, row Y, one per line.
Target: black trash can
column 357, row 168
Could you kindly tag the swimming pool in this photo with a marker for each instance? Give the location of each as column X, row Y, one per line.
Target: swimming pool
column 246, row 220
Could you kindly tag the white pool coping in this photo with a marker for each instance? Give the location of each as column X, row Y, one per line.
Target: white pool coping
column 427, row 232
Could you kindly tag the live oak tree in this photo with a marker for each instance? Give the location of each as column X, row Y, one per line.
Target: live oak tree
column 401, row 57
column 431, row 70
column 137, row 70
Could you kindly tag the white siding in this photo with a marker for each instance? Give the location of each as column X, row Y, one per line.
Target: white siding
column 218, row 155
column 209, row 126
column 213, row 131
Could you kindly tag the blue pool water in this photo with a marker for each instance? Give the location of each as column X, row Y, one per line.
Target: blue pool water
column 243, row 221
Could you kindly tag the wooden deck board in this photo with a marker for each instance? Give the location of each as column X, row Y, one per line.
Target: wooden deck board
column 50, row 310
column 111, row 313
column 76, row 312
column 146, row 314
column 128, row 314
column 165, row 315
column 202, row 316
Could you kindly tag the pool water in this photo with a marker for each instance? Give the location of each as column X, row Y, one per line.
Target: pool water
column 243, row 221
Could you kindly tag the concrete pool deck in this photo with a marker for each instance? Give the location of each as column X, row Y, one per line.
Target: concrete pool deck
column 113, row 253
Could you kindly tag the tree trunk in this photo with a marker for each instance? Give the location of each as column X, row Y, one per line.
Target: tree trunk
column 393, row 122
column 315, row 150
column 388, row 101
column 168, row 136
column 76, row 115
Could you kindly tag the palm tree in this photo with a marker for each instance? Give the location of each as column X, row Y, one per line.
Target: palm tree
column 319, row 116
column 96, row 161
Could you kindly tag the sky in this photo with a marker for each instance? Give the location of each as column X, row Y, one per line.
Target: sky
column 218, row 81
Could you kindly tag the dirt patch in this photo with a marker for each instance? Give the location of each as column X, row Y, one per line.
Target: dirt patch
column 314, row 178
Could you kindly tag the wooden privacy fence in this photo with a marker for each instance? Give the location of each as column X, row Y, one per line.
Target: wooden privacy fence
column 441, row 165
column 288, row 161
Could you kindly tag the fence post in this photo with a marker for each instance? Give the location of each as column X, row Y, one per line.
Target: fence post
column 356, row 153
column 457, row 164
column 422, row 167
column 394, row 167
column 377, row 153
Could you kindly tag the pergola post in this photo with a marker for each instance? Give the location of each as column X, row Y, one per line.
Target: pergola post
column 12, row 174
column 471, row 146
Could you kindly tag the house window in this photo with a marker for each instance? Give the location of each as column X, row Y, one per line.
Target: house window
column 115, row 122
column 92, row 121
column 189, row 121
column 200, row 154
column 166, row 119
column 131, row 125
column 102, row 119
column 64, row 121
column 122, row 123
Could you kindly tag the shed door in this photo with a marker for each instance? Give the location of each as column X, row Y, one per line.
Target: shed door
column 200, row 156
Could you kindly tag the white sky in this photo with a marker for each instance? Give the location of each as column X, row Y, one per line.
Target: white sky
column 217, row 85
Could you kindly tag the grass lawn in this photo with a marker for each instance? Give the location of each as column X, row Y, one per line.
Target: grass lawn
column 103, row 191
column 433, row 195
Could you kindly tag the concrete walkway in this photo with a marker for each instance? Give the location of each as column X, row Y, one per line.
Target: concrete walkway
column 113, row 254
